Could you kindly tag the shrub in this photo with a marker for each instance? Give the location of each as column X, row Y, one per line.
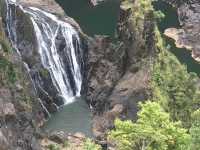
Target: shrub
column 90, row 145
column 152, row 131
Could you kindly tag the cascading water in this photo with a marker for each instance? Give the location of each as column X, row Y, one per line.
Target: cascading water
column 63, row 60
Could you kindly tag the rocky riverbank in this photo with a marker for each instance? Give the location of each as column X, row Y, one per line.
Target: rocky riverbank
column 188, row 35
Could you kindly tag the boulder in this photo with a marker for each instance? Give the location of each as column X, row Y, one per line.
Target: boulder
column 9, row 110
column 58, row 137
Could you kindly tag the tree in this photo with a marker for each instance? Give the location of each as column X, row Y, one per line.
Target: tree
column 195, row 130
column 90, row 145
column 173, row 87
column 152, row 131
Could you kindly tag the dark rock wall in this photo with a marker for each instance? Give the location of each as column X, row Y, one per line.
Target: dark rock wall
column 119, row 73
column 20, row 111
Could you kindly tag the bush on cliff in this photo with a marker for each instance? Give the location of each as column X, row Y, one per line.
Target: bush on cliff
column 173, row 87
column 152, row 131
column 195, row 130
column 90, row 145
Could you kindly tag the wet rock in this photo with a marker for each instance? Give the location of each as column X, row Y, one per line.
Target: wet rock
column 96, row 2
column 58, row 137
column 53, row 108
column 79, row 135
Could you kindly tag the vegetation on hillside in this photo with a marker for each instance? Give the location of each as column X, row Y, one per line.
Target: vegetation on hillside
column 7, row 70
column 170, row 120
column 90, row 145
column 12, row 71
column 173, row 87
column 152, row 131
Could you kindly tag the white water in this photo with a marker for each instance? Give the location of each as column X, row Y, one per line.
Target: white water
column 46, row 34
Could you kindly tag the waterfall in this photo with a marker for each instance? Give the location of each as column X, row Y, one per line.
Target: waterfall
column 61, row 60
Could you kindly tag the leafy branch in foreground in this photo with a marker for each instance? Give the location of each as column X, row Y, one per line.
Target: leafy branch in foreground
column 152, row 131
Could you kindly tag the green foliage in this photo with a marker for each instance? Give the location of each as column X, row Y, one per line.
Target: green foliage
column 139, row 10
column 90, row 145
column 152, row 131
column 195, row 130
column 159, row 15
column 44, row 73
column 7, row 71
column 5, row 44
column 66, row 144
column 173, row 87
column 53, row 147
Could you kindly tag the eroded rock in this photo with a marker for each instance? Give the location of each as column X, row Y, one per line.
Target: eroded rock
column 188, row 35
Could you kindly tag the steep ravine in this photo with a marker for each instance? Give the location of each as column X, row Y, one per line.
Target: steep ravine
column 115, row 75
column 43, row 53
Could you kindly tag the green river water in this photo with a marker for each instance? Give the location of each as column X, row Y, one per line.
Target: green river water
column 101, row 19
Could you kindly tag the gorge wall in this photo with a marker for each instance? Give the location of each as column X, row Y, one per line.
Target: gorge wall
column 21, row 113
column 115, row 75
column 118, row 74
column 40, row 50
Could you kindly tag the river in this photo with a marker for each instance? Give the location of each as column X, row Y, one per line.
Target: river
column 101, row 19
column 171, row 20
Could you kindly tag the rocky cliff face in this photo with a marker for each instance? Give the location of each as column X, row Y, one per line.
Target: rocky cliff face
column 22, row 104
column 20, row 111
column 188, row 35
column 118, row 73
